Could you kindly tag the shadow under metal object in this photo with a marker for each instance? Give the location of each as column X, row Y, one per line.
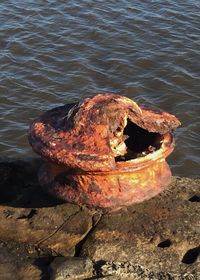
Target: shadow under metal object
column 105, row 152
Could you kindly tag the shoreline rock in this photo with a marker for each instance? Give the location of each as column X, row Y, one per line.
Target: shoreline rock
column 161, row 235
column 157, row 239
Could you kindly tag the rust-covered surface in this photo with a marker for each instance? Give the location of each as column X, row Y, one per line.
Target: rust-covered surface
column 106, row 151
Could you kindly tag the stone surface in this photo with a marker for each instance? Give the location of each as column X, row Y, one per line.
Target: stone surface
column 58, row 229
column 159, row 238
column 28, row 218
column 71, row 268
column 16, row 264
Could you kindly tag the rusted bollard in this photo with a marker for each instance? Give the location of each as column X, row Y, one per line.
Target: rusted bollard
column 104, row 152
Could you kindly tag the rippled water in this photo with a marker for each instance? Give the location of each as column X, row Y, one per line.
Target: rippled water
column 56, row 52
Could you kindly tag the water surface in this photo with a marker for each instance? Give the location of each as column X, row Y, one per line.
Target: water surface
column 56, row 52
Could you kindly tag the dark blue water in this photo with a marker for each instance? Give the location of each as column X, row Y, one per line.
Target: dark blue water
column 56, row 52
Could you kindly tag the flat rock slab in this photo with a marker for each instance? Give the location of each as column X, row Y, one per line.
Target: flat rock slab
column 157, row 239
column 29, row 216
column 15, row 263
column 58, row 229
column 71, row 268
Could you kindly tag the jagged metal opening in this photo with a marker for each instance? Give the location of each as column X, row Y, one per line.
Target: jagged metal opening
column 139, row 142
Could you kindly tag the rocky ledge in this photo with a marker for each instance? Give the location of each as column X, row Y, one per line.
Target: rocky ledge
column 45, row 238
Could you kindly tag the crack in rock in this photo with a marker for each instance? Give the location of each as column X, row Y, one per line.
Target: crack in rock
column 59, row 228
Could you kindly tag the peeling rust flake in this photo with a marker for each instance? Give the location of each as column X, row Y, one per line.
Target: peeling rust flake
column 105, row 139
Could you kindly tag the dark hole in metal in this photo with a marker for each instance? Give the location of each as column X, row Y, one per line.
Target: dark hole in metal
column 191, row 255
column 195, row 198
column 139, row 142
column 164, row 244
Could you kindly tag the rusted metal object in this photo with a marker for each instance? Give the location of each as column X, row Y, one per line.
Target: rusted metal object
column 104, row 152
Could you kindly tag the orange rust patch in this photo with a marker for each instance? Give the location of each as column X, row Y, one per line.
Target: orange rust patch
column 107, row 151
